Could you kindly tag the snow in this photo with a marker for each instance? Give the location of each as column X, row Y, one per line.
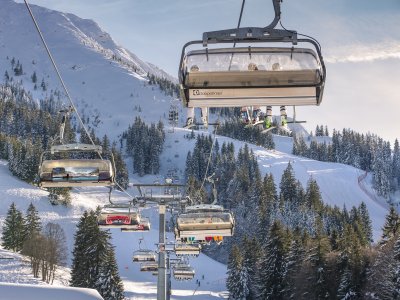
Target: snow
column 112, row 91
column 35, row 292
column 138, row 285
column 339, row 186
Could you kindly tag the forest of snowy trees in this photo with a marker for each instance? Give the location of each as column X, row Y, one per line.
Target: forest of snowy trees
column 367, row 152
column 290, row 245
column 169, row 88
column 235, row 129
column 144, row 145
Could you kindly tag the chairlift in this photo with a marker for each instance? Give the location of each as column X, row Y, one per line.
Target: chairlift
column 192, row 249
column 149, row 267
column 124, row 216
column 183, row 271
column 204, row 223
column 144, row 255
column 173, row 114
column 262, row 73
column 143, row 226
column 68, row 172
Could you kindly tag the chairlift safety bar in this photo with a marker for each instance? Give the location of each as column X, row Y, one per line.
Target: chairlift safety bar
column 76, row 147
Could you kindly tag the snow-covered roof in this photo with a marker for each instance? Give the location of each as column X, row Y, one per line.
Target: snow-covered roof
column 46, row 292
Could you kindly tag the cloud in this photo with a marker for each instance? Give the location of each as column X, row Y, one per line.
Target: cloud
column 363, row 52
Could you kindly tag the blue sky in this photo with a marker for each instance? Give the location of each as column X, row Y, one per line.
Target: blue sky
column 360, row 41
column 155, row 30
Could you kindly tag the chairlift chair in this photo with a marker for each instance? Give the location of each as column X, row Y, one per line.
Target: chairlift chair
column 192, row 249
column 173, row 114
column 262, row 73
column 183, row 271
column 149, row 267
column 144, row 255
column 124, row 216
column 204, row 223
column 143, row 226
column 56, row 173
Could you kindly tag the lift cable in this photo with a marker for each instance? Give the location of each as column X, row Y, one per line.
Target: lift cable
column 64, row 85
column 238, row 26
column 216, row 128
column 209, row 161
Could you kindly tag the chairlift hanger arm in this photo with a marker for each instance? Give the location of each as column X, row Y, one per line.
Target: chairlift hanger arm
column 249, row 34
column 277, row 9
column 157, row 185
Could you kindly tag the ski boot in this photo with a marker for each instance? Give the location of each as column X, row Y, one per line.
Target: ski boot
column 268, row 118
column 204, row 116
column 189, row 122
column 190, row 117
column 284, row 118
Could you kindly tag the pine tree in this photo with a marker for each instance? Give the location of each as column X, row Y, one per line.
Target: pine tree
column 109, row 283
column 271, row 279
column 288, row 186
column 32, row 222
column 326, row 131
column 251, row 256
column 13, row 229
column 267, row 207
column 313, row 196
column 93, row 264
column 396, row 163
column 34, row 77
column 365, row 222
column 121, row 170
column 294, row 260
column 80, row 264
column 317, row 258
column 237, row 281
column 396, row 273
column 345, row 288
column 391, row 226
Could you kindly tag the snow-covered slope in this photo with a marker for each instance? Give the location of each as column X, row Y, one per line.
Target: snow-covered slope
column 104, row 79
column 138, row 285
column 340, row 184
column 117, row 91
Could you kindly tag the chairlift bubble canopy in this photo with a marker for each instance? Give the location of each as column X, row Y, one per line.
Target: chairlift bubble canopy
column 253, row 75
column 67, row 172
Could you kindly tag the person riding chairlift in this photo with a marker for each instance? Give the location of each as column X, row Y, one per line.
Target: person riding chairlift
column 268, row 119
column 190, row 110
